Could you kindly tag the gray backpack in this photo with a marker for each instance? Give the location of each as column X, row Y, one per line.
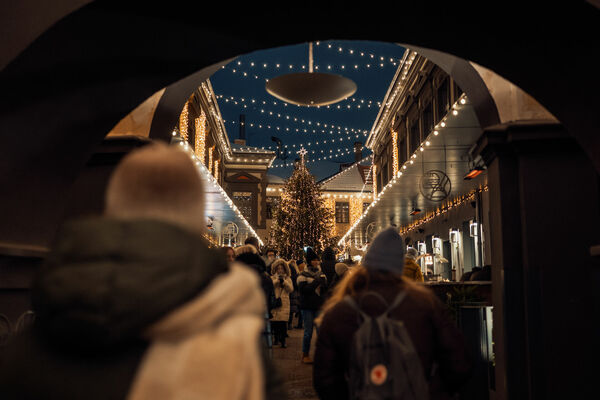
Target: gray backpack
column 383, row 361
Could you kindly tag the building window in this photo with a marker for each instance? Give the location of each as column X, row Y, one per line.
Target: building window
column 365, row 206
column 427, row 120
column 415, row 136
column 384, row 175
column 243, row 201
column 402, row 145
column 342, row 212
column 443, row 101
column 272, row 203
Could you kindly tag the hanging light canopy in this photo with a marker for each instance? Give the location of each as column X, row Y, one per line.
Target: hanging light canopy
column 311, row 88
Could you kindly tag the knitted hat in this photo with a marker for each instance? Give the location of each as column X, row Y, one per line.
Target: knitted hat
column 340, row 268
column 311, row 255
column 386, row 253
column 157, row 182
column 412, row 253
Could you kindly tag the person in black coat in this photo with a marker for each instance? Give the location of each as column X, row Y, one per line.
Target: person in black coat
column 248, row 255
column 312, row 284
column 328, row 264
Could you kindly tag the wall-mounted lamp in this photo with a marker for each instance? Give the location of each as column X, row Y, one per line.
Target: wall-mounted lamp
column 474, row 173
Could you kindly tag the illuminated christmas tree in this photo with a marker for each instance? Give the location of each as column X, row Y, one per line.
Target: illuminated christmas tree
column 301, row 219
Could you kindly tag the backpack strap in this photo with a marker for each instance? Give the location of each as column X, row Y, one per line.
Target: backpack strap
column 399, row 298
column 348, row 299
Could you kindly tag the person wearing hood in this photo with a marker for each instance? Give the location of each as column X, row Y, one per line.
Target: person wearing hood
column 412, row 270
column 374, row 286
column 134, row 304
column 282, row 282
column 270, row 256
column 312, row 284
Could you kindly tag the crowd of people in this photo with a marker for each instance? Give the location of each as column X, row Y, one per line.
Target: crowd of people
column 135, row 304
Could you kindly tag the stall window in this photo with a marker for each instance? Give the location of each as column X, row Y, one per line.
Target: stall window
column 342, row 212
column 384, row 175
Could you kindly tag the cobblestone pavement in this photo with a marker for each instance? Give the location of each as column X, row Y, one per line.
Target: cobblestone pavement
column 297, row 376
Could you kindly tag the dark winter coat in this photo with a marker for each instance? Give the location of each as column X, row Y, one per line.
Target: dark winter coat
column 105, row 283
column 328, row 264
column 312, row 286
column 257, row 263
column 434, row 336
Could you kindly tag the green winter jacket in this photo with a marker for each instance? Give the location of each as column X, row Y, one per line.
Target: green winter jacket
column 103, row 284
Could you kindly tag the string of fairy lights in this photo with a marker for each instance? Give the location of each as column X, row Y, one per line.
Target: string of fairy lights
column 336, row 154
column 320, row 125
column 263, row 70
column 355, row 103
column 372, row 61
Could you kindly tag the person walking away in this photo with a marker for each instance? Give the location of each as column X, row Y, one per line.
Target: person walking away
column 312, row 285
column 429, row 335
column 248, row 255
column 134, row 304
column 328, row 264
column 282, row 282
column 341, row 269
column 294, row 309
column 412, row 270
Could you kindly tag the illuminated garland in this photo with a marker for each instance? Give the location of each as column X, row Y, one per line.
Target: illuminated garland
column 374, row 180
column 183, row 122
column 216, row 172
column 395, row 151
column 356, row 208
column 201, row 136
column 447, row 206
column 210, row 158
column 330, row 204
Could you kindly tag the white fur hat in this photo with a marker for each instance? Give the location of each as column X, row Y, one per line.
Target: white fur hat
column 157, row 182
column 247, row 248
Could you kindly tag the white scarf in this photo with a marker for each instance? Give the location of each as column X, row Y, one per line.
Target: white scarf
column 209, row 348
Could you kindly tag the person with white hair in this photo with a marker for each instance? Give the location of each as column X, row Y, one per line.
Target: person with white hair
column 134, row 304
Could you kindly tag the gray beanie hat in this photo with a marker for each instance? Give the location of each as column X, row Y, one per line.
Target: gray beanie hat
column 386, row 253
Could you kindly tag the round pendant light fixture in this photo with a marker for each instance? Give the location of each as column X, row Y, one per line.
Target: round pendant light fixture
column 311, row 88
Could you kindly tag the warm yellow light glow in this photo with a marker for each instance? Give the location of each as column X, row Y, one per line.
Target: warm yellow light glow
column 374, row 181
column 201, row 137
column 356, row 209
column 216, row 171
column 210, row 158
column 395, row 151
column 183, row 123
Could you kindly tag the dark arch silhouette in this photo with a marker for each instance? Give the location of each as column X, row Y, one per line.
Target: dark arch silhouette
column 69, row 87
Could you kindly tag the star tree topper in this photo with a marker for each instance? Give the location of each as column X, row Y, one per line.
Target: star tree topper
column 302, row 153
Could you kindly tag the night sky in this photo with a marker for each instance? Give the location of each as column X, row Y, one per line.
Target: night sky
column 361, row 61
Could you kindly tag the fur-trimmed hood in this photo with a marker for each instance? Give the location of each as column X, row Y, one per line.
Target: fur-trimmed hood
column 279, row 262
